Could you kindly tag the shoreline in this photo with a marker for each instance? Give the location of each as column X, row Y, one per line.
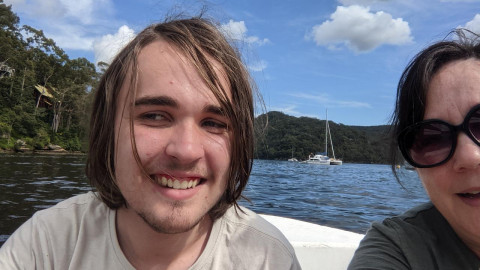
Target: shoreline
column 47, row 152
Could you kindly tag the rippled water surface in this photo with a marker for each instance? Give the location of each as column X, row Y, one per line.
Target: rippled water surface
column 348, row 197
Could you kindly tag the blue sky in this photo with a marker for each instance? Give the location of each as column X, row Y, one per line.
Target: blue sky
column 306, row 56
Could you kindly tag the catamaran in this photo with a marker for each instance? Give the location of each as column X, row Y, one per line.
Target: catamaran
column 322, row 158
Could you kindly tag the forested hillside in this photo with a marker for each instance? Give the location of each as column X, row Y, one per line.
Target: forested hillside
column 305, row 135
column 44, row 95
column 45, row 99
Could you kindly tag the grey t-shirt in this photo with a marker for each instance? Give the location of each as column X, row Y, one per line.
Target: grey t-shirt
column 421, row 238
column 80, row 233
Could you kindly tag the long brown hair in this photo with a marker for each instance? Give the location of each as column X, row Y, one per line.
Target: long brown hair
column 199, row 40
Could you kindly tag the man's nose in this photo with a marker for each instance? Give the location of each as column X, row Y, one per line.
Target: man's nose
column 185, row 143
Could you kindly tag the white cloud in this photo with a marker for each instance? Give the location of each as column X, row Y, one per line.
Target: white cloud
column 67, row 37
column 238, row 31
column 288, row 109
column 38, row 8
column 474, row 24
column 107, row 47
column 360, row 30
column 326, row 100
column 71, row 24
column 82, row 11
column 258, row 66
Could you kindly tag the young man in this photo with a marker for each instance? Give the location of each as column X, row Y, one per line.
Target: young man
column 171, row 151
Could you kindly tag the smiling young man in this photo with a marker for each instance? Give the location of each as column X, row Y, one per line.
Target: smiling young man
column 171, row 150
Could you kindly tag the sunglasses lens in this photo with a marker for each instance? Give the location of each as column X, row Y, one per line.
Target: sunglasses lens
column 474, row 125
column 430, row 143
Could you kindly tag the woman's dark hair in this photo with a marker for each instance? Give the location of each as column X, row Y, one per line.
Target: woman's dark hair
column 415, row 82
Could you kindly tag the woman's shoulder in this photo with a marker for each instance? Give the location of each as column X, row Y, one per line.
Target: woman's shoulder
column 421, row 217
column 396, row 242
column 420, row 238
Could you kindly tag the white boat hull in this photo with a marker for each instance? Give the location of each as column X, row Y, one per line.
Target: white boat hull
column 318, row 162
column 316, row 246
column 318, row 159
column 336, row 162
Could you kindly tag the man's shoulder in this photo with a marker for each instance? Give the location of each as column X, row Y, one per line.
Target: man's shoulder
column 81, row 199
column 67, row 235
column 73, row 208
column 249, row 224
column 71, row 222
column 247, row 219
column 237, row 239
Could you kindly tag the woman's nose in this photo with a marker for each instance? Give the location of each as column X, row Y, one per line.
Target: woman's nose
column 467, row 153
column 185, row 143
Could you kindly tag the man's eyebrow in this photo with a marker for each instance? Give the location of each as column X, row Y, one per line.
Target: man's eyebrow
column 159, row 101
column 168, row 101
column 215, row 110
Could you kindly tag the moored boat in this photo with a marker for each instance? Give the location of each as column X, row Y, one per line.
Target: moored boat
column 323, row 158
column 319, row 158
column 292, row 158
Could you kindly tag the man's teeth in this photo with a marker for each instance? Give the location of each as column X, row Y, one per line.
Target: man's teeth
column 177, row 184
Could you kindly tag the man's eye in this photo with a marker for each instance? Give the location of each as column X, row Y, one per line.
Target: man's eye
column 153, row 116
column 215, row 126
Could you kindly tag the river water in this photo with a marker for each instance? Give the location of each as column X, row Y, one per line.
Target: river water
column 347, row 197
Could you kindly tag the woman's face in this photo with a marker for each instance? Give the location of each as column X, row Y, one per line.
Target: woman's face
column 454, row 187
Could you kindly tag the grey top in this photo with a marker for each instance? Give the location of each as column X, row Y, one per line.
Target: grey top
column 80, row 233
column 421, row 238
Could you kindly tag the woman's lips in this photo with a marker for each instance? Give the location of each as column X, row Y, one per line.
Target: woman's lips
column 470, row 195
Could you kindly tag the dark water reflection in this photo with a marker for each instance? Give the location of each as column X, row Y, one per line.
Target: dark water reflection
column 348, row 197
column 29, row 183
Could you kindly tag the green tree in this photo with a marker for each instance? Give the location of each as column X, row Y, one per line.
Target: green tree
column 37, row 60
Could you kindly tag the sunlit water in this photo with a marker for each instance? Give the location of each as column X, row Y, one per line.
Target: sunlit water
column 348, row 197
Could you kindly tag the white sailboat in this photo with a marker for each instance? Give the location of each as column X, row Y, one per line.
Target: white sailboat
column 292, row 158
column 320, row 158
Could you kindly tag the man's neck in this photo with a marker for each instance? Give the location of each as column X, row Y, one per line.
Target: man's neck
column 145, row 248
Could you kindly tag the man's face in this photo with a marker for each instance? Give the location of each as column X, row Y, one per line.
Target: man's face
column 182, row 140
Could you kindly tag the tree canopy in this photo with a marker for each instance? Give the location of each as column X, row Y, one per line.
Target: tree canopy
column 286, row 136
column 28, row 59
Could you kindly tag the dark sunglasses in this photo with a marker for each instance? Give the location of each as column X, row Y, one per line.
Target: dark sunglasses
column 432, row 142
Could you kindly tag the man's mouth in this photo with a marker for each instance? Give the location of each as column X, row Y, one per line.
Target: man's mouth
column 176, row 183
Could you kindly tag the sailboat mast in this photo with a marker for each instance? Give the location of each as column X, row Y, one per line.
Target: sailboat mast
column 331, row 142
column 326, row 130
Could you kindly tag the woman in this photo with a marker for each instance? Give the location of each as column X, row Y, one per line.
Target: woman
column 437, row 126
